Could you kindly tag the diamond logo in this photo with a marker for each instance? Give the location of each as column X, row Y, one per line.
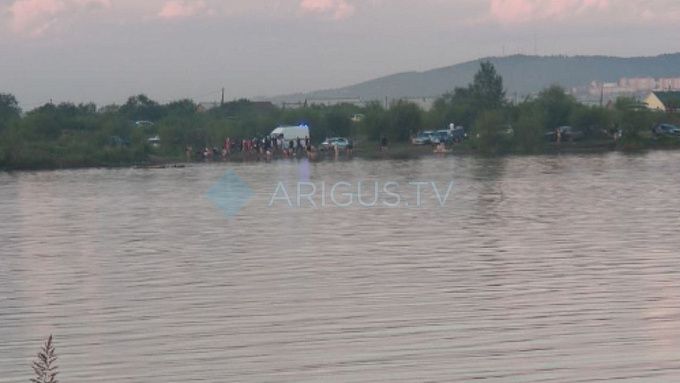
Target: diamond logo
column 230, row 194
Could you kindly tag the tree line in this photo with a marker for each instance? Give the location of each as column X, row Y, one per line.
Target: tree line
column 69, row 135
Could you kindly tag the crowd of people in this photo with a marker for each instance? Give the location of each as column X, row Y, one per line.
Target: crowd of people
column 263, row 147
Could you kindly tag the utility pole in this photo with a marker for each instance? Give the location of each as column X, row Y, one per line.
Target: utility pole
column 222, row 101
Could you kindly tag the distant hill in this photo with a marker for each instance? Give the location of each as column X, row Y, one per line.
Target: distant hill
column 522, row 75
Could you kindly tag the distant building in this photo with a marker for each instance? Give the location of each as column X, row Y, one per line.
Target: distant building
column 637, row 84
column 668, row 101
column 668, row 83
column 206, row 106
column 600, row 92
column 426, row 103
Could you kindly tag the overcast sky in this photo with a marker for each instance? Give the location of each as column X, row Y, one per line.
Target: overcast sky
column 107, row 50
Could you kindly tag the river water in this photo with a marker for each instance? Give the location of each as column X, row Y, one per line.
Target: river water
column 535, row 269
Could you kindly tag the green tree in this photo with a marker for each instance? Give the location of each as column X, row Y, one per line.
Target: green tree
column 457, row 107
column 487, row 88
column 141, row 107
column 490, row 132
column 528, row 130
column 181, row 108
column 464, row 105
column 338, row 122
column 557, row 106
column 593, row 121
column 375, row 122
column 626, row 103
column 9, row 110
column 405, row 119
column 633, row 124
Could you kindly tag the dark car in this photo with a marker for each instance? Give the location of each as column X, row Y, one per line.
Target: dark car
column 117, row 141
column 667, row 130
column 567, row 133
column 458, row 134
column 442, row 136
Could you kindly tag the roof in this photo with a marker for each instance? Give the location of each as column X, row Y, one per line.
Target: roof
column 208, row 105
column 669, row 98
column 283, row 129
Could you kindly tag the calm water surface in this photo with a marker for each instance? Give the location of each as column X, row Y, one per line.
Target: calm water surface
column 538, row 269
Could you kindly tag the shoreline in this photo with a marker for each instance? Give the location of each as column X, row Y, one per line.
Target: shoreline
column 395, row 152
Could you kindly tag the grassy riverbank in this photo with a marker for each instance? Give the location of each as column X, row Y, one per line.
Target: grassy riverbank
column 153, row 157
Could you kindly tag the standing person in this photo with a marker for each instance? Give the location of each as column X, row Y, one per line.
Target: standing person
column 383, row 144
column 312, row 153
column 188, row 151
column 558, row 135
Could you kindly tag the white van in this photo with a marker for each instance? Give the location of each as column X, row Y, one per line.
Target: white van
column 291, row 132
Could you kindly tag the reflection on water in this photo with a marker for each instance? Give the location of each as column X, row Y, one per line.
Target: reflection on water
column 538, row 269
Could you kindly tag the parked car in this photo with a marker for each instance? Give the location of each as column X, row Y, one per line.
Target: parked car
column 666, row 130
column 442, row 136
column 567, row 133
column 143, row 123
column 341, row 142
column 507, row 130
column 424, row 138
column 154, row 141
column 458, row 134
column 117, row 141
column 504, row 131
